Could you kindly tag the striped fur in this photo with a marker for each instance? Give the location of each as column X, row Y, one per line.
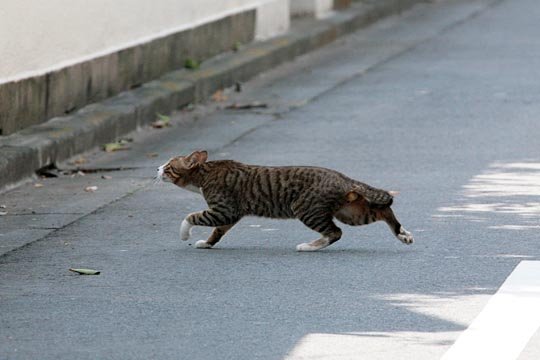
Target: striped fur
column 313, row 195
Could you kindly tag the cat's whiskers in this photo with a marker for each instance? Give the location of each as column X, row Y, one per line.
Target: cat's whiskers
column 157, row 180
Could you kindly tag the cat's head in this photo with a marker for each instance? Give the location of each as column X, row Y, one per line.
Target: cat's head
column 179, row 169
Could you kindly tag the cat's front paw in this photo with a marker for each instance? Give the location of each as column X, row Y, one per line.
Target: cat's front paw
column 185, row 230
column 405, row 237
column 307, row 247
column 202, row 244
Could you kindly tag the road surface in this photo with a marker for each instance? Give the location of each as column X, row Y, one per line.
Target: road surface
column 440, row 103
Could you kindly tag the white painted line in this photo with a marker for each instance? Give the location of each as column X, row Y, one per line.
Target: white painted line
column 507, row 322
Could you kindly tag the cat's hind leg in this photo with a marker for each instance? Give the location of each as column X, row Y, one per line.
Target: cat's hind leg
column 359, row 213
column 216, row 235
column 323, row 224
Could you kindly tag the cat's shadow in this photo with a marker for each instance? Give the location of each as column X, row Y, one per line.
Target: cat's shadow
column 282, row 251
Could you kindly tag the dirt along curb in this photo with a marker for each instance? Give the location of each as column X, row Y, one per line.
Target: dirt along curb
column 24, row 152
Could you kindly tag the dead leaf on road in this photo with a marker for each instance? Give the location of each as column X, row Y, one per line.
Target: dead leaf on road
column 117, row 146
column 46, row 174
column 79, row 161
column 219, row 96
column 163, row 121
column 85, row 271
column 90, row 188
column 189, row 107
column 252, row 105
column 238, row 86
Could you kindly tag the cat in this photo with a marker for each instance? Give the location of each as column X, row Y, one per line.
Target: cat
column 314, row 195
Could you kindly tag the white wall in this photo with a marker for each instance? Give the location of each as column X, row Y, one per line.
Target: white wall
column 273, row 18
column 40, row 36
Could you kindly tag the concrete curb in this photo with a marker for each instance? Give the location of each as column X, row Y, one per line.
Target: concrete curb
column 24, row 152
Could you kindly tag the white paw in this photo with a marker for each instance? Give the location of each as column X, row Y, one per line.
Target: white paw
column 202, row 244
column 307, row 247
column 405, row 237
column 185, row 230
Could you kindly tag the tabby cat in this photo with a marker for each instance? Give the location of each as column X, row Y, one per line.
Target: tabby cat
column 313, row 195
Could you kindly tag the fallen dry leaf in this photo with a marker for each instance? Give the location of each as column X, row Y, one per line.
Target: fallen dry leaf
column 159, row 124
column 79, row 161
column 219, row 96
column 85, row 271
column 116, row 146
column 238, row 86
column 252, row 105
column 189, row 107
column 163, row 121
column 90, row 188
column 44, row 174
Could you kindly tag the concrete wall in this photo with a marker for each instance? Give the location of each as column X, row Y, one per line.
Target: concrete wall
column 59, row 55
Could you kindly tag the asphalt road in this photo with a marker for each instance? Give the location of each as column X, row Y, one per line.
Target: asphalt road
column 440, row 104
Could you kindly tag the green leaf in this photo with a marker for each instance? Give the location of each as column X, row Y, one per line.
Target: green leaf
column 191, row 64
column 116, row 146
column 163, row 118
column 163, row 121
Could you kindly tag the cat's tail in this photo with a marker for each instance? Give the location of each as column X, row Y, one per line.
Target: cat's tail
column 377, row 198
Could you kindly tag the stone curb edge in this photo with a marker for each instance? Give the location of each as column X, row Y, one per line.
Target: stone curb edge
column 28, row 150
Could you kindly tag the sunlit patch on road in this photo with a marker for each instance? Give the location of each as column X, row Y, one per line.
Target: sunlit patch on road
column 374, row 344
column 501, row 189
column 506, row 179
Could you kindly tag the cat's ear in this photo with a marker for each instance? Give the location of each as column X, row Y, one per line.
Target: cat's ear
column 196, row 158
